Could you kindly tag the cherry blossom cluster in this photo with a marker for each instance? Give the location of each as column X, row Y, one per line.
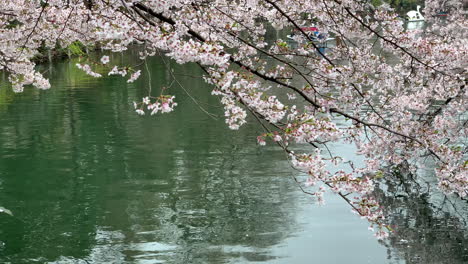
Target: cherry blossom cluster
column 344, row 184
column 162, row 104
column 303, row 128
column 348, row 183
column 87, row 69
column 123, row 71
column 312, row 163
column 368, row 208
column 274, row 136
column 116, row 70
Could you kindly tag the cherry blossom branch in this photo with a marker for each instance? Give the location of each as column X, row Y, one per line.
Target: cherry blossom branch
column 44, row 5
column 7, row 14
column 391, row 42
column 211, row 115
column 321, row 53
column 300, row 30
column 274, row 80
column 66, row 22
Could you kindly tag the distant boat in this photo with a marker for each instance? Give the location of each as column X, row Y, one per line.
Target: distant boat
column 313, row 33
column 413, row 16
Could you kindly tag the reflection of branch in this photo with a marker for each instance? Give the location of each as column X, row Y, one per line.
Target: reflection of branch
column 423, row 227
column 417, row 196
column 456, row 209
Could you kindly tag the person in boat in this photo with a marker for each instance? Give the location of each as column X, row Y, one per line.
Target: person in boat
column 313, row 32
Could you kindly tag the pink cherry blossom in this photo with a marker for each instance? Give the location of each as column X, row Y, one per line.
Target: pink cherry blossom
column 105, row 59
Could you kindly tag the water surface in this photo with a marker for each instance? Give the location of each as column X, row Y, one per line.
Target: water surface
column 89, row 181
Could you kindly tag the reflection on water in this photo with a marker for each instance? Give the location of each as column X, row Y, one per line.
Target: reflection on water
column 91, row 182
column 415, row 25
column 430, row 227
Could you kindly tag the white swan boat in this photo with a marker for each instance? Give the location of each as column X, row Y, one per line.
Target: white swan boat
column 413, row 16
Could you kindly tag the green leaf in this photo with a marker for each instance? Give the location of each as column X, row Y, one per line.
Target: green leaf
column 379, row 174
column 75, row 48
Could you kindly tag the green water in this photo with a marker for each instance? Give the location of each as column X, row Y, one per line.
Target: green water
column 89, row 181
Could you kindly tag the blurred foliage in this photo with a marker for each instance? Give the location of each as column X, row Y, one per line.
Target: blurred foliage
column 376, row 2
column 405, row 4
column 399, row 5
column 75, row 49
column 430, row 227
